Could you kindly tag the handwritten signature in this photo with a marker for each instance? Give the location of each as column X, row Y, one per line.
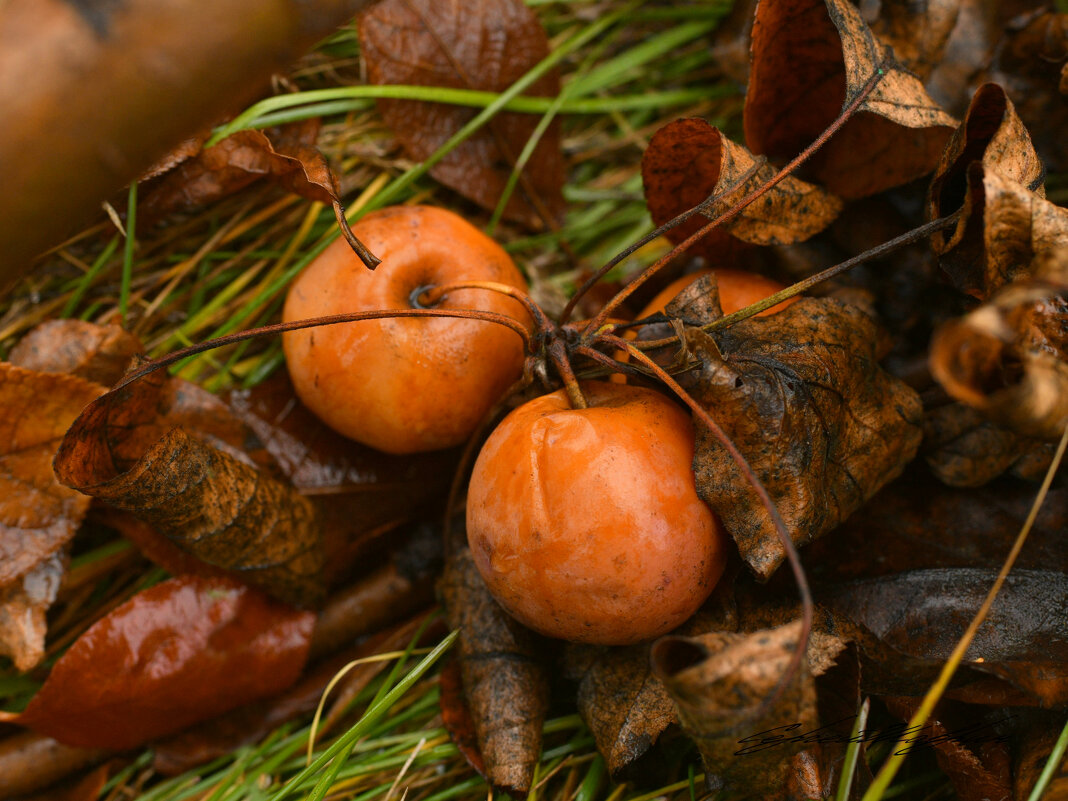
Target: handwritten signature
column 913, row 736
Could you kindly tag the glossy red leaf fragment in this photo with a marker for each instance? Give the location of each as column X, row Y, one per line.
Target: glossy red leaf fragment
column 183, row 651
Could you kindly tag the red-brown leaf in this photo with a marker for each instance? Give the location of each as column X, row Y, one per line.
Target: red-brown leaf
column 177, row 653
column 485, row 45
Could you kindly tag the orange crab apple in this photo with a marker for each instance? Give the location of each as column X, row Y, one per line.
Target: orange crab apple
column 405, row 385
column 586, row 524
column 737, row 289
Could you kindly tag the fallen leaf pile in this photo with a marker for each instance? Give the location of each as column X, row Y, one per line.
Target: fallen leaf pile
column 900, row 416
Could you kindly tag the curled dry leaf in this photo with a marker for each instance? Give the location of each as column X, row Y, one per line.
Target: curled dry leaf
column 456, row 716
column 808, row 58
column 97, row 353
column 286, row 154
column 1009, row 360
column 718, row 682
column 689, row 160
column 917, row 32
column 908, row 623
column 802, row 396
column 504, row 680
column 486, row 45
column 211, row 501
column 993, row 135
column 1004, row 228
column 38, row 515
column 177, row 653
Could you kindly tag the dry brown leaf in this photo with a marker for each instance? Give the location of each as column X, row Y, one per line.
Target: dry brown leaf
column 1009, row 359
column 809, row 57
column 38, row 516
column 486, row 45
column 718, row 682
column 1033, row 753
column 1003, row 228
column 967, row 54
column 506, row 684
column 97, row 353
column 201, row 491
column 624, row 705
column 286, row 154
column 689, row 160
column 963, row 449
column 802, row 396
column 918, row 32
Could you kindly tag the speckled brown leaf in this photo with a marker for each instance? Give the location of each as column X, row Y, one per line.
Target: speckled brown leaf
column 196, row 485
column 718, row 682
column 809, row 56
column 624, row 705
column 918, row 32
column 802, row 396
column 689, row 160
column 964, row 449
column 38, row 515
column 486, row 45
column 456, row 717
column 504, row 679
column 908, row 623
column 1009, row 359
column 97, row 353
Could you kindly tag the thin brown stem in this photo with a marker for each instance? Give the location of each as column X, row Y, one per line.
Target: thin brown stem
column 806, row 284
column 433, row 294
column 369, row 259
column 334, row 319
column 765, row 499
column 737, row 209
column 558, row 353
column 663, row 229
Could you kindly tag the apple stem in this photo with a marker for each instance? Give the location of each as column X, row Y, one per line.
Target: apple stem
column 737, row 209
column 369, row 259
column 765, row 499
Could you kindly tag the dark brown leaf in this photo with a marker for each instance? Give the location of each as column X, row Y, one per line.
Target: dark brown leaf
column 1034, row 751
column 718, row 682
column 38, row 516
column 456, row 717
column 359, row 493
column 802, row 396
column 624, row 705
column 504, row 680
column 972, row 755
column 1009, row 359
column 908, row 623
column 689, row 160
column 211, row 501
column 97, row 353
column 963, row 449
column 30, row 761
column 808, row 58
column 177, row 653
column 486, row 45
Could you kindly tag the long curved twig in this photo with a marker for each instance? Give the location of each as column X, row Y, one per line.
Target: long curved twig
column 312, row 322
